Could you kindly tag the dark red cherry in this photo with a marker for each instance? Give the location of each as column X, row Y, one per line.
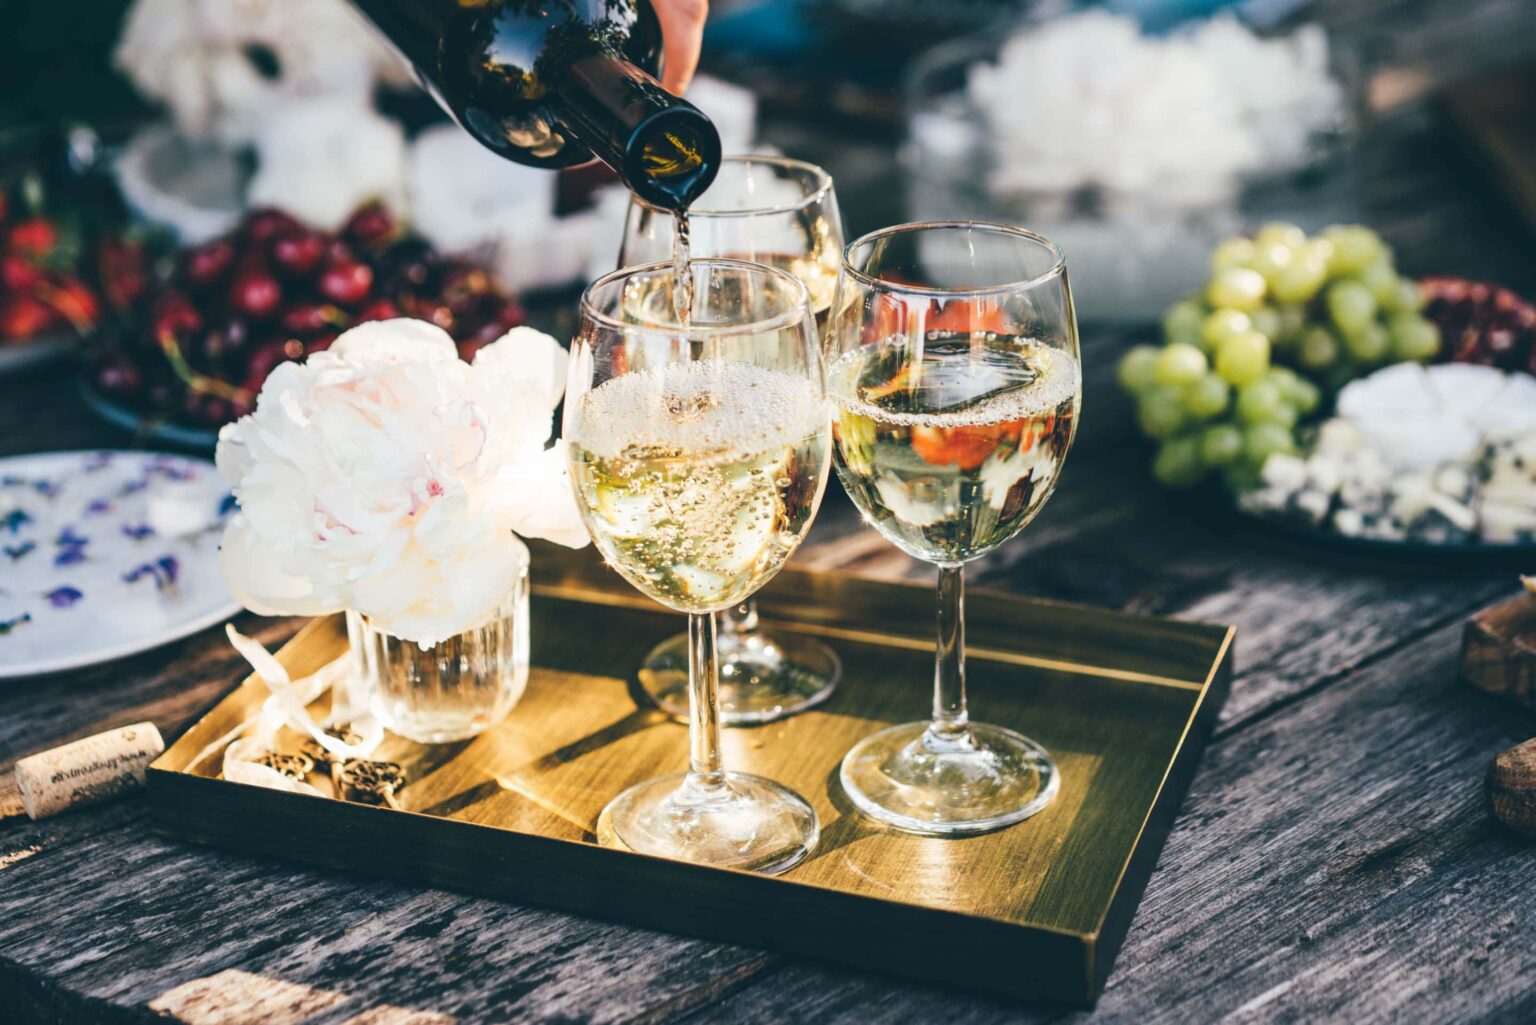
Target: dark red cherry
column 298, row 253
column 255, row 293
column 346, row 283
column 209, row 263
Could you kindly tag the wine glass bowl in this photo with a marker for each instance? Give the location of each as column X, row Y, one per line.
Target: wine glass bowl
column 953, row 370
column 698, row 453
column 781, row 213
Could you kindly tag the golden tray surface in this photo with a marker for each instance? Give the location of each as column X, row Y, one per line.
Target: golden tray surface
column 1038, row 909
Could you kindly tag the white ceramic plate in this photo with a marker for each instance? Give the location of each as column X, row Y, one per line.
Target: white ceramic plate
column 105, row 554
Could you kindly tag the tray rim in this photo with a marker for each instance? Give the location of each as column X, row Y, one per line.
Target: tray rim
column 165, row 782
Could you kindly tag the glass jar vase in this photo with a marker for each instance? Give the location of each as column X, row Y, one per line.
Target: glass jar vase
column 456, row 688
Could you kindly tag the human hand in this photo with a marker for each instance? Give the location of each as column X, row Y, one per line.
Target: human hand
column 682, row 33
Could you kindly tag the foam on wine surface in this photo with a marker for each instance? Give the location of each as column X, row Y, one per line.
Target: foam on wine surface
column 704, row 406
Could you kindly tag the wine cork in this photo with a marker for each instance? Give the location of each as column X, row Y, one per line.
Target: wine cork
column 87, row 771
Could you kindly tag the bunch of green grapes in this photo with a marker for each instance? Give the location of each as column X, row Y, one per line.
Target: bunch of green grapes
column 1283, row 320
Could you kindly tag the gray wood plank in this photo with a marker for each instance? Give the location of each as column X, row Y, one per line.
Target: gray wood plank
column 107, row 912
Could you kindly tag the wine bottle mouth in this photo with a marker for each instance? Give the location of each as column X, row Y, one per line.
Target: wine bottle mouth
column 813, row 183
column 672, row 157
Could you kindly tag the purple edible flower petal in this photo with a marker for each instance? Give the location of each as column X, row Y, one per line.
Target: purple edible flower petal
column 63, row 597
column 171, row 471
column 96, row 508
column 46, row 488
column 170, row 571
column 228, row 504
column 69, row 539
column 70, row 556
column 17, row 551
column 138, row 531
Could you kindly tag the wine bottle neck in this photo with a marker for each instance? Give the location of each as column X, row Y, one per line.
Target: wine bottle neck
column 666, row 149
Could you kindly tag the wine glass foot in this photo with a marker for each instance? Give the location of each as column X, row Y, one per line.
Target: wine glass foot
column 761, row 679
column 745, row 822
column 920, row 780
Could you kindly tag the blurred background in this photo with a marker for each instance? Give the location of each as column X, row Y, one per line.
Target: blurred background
column 135, row 137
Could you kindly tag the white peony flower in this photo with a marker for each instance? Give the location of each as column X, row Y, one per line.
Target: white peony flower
column 196, row 56
column 384, row 475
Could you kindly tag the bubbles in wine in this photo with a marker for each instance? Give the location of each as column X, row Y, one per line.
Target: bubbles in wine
column 699, row 479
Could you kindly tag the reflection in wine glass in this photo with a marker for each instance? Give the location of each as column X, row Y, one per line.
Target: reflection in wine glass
column 699, row 454
column 952, row 363
column 782, row 213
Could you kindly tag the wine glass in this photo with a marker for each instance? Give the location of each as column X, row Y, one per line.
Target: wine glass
column 698, row 454
column 952, row 365
column 782, row 213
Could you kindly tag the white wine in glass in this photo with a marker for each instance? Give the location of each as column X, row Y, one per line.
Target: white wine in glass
column 699, row 453
column 783, row 214
column 953, row 367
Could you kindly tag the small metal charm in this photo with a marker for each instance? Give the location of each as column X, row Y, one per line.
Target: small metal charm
column 369, row 782
column 312, row 748
column 294, row 766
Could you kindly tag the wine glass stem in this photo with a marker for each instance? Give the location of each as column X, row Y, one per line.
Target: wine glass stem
column 739, row 621
column 950, row 720
column 705, row 771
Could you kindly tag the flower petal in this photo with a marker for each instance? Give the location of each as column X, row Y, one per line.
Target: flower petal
column 527, row 359
column 403, row 340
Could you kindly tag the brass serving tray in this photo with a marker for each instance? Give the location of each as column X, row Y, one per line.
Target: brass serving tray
column 1037, row 910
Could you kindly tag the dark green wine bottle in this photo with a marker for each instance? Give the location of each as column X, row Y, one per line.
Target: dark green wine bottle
column 554, row 82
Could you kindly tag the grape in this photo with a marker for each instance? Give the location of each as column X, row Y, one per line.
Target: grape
column 1136, row 366
column 1318, row 349
column 1242, row 359
column 1413, row 337
column 1266, row 321
column 1160, row 413
column 1220, row 444
column 1260, row 441
column 1206, row 397
column 1272, row 258
column 1299, row 280
column 1222, row 324
column 1182, row 322
column 1279, row 233
column 1406, row 297
column 1233, row 252
column 1307, row 396
column 1369, row 343
column 1351, row 305
column 1178, row 364
column 1178, row 463
column 1293, row 321
column 1236, row 288
column 1260, row 402
column 1354, row 248
column 1381, row 279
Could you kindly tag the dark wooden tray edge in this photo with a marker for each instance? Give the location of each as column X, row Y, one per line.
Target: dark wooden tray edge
column 890, row 937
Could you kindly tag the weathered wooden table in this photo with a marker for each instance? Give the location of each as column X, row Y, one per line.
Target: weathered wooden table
column 1333, row 861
